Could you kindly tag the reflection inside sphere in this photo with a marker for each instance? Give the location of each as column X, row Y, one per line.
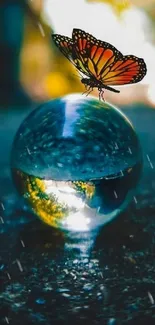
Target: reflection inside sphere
column 78, row 205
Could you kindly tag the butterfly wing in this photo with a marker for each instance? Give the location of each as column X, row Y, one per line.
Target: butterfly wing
column 100, row 60
column 104, row 62
column 65, row 45
column 84, row 51
column 130, row 69
column 95, row 55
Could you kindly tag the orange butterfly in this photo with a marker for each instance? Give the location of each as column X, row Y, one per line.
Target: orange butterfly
column 101, row 64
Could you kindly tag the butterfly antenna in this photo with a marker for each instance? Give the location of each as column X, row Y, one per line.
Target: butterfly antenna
column 76, row 76
column 79, row 73
column 87, row 91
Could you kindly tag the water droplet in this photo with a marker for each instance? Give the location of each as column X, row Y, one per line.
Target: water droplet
column 40, row 301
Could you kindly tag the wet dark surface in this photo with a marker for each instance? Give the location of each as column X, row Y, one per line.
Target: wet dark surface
column 44, row 278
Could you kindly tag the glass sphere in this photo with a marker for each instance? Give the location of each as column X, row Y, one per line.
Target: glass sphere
column 76, row 161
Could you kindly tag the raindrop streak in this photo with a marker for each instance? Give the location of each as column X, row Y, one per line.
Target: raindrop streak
column 9, row 277
column 149, row 160
column 22, row 243
column 135, row 199
column 28, row 150
column 2, row 206
column 101, row 274
column 116, row 196
column 98, row 210
column 122, row 174
column 150, row 298
column 19, row 265
column 129, row 149
column 116, row 145
column 73, row 275
column 41, row 29
column 2, row 221
column 6, row 319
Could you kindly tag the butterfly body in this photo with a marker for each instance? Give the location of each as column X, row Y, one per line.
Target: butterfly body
column 100, row 63
column 94, row 83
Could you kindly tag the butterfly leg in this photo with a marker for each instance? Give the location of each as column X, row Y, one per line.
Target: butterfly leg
column 89, row 90
column 101, row 93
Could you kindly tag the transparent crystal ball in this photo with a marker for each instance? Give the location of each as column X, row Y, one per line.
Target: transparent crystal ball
column 76, row 161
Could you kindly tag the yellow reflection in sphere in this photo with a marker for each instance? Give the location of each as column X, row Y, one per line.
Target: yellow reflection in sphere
column 58, row 203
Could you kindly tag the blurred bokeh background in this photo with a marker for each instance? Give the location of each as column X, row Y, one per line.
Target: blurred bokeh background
column 29, row 58
column 33, row 70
